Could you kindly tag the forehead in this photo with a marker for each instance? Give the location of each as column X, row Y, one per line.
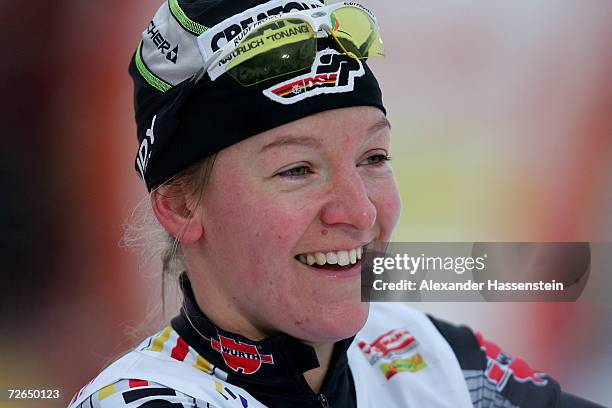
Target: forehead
column 340, row 127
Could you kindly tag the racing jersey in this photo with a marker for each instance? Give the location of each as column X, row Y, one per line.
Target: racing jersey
column 401, row 358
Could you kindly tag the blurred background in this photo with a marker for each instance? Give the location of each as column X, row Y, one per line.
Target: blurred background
column 502, row 115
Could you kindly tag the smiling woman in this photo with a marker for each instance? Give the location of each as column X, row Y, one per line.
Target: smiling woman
column 268, row 201
column 280, row 198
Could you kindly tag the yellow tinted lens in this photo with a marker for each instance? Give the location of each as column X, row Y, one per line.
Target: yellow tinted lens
column 356, row 33
column 274, row 49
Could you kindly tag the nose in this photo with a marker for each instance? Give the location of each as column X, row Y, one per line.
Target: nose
column 349, row 203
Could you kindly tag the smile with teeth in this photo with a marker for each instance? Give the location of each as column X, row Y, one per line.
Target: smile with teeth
column 340, row 258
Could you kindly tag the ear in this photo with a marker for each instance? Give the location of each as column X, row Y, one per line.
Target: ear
column 176, row 213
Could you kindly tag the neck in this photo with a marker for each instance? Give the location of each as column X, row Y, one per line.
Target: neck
column 222, row 311
column 239, row 325
column 315, row 377
column 324, row 352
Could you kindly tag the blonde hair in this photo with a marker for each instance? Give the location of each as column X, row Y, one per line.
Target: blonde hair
column 144, row 235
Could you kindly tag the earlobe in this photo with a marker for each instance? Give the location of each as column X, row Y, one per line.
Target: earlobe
column 175, row 215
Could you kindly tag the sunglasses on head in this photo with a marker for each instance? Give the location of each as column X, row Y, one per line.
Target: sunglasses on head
column 286, row 43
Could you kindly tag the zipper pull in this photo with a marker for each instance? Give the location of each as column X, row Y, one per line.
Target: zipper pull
column 323, row 401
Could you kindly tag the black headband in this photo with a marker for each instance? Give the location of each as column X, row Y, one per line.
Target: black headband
column 180, row 122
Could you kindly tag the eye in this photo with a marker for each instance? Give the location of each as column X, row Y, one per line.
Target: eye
column 376, row 160
column 298, row 171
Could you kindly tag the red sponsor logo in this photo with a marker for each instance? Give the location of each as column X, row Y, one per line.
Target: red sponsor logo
column 240, row 357
column 304, row 85
column 501, row 366
column 331, row 72
column 392, row 343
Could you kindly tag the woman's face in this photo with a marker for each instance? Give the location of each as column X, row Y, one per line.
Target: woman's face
column 309, row 188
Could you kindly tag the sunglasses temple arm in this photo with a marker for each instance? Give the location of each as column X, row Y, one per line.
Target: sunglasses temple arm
column 204, row 69
column 366, row 45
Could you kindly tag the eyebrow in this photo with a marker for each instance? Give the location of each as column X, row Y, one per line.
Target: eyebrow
column 292, row 140
column 379, row 125
column 313, row 142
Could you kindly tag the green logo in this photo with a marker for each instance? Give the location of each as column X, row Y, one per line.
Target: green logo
column 412, row 364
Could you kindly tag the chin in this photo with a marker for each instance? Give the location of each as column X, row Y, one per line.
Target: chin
column 335, row 323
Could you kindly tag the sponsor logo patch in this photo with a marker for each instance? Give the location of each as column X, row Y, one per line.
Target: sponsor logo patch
column 411, row 364
column 144, row 151
column 240, row 357
column 394, row 352
column 393, row 343
column 332, row 72
column 161, row 43
column 219, row 35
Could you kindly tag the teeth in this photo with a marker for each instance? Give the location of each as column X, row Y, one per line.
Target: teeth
column 310, row 260
column 332, row 258
column 342, row 258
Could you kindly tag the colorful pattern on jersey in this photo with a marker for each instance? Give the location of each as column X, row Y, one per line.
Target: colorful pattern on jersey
column 170, row 344
column 502, row 366
column 152, row 377
column 487, row 386
column 494, row 378
column 135, row 393
column 484, row 394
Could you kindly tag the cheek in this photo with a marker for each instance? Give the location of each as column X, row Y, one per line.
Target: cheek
column 385, row 197
column 281, row 224
column 258, row 225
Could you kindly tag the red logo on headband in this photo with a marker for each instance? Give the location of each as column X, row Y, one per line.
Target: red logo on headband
column 332, row 72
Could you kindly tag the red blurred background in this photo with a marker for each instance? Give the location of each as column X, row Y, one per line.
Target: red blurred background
column 502, row 120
